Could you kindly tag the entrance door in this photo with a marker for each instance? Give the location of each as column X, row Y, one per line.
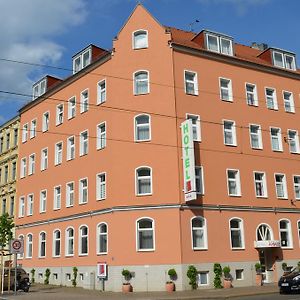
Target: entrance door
column 266, row 261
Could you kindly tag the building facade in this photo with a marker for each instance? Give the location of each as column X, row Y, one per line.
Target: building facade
column 101, row 171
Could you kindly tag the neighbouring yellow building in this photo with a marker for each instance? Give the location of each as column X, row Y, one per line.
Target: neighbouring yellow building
column 9, row 134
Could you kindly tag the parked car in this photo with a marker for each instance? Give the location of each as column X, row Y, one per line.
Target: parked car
column 290, row 281
column 22, row 279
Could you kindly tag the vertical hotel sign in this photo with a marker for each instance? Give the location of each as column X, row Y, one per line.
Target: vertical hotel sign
column 188, row 160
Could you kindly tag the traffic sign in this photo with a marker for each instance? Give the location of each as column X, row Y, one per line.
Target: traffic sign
column 17, row 246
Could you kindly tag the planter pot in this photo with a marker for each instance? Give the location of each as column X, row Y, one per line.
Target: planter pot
column 227, row 283
column 258, row 279
column 127, row 288
column 170, row 286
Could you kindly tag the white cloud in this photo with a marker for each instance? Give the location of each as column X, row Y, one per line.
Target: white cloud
column 240, row 6
column 27, row 33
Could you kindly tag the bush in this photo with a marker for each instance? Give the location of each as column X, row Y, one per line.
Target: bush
column 258, row 267
column 32, row 275
column 172, row 273
column 47, row 275
column 192, row 275
column 226, row 272
column 218, row 274
column 127, row 275
column 75, row 272
column 284, row 265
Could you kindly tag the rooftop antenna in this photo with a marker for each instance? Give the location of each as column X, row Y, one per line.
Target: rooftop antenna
column 192, row 24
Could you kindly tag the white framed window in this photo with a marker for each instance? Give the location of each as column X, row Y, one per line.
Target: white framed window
column 260, row 184
column 142, row 124
column 13, row 170
column 83, row 191
column 84, row 101
column 239, row 274
column 21, row 207
column 44, row 159
column 233, row 182
column 191, row 83
column 56, row 243
column 196, row 126
column 296, row 180
column 290, row 62
column 71, row 148
column 72, row 107
column 70, row 194
column 293, row 140
column 143, row 177
column 69, row 246
column 43, row 201
column 25, row 133
column 59, row 114
column 101, row 186
column 255, row 136
column 32, row 129
column 199, row 233
column 30, row 205
column 57, row 198
column 280, row 185
column 284, row 60
column 20, row 255
column 278, row 59
column 140, row 39
column 83, row 240
column 29, row 247
column 39, row 88
column 58, row 153
column 288, row 100
column 276, row 140
column 31, row 164
column 229, row 132
column 42, row 244
column 225, row 89
column 220, row 44
column 271, row 98
column 141, row 82
column 82, row 60
column 23, row 167
column 102, row 238
column 251, row 94
column 236, row 233
column 285, row 234
column 199, row 180
column 101, row 136
column 45, row 121
column 101, row 91
column 145, row 234
column 84, row 143
column 202, row 278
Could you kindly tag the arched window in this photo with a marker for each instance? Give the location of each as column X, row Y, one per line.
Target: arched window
column 140, row 39
column 143, row 181
column 56, row 243
column 83, row 240
column 264, row 233
column 142, row 128
column 29, row 245
column 21, row 255
column 102, row 238
column 199, row 233
column 69, row 241
column 236, row 233
column 42, row 244
column 141, row 82
column 285, row 234
column 145, row 234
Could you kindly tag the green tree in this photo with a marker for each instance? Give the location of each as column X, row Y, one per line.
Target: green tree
column 192, row 275
column 6, row 227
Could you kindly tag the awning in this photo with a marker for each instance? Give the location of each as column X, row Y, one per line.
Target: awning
column 267, row 244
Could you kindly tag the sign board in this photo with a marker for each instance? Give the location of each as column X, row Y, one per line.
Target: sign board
column 101, row 269
column 188, row 157
column 17, row 246
column 267, row 244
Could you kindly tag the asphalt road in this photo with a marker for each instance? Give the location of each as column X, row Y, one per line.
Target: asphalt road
column 273, row 297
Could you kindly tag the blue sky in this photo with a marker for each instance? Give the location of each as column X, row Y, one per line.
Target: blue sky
column 54, row 31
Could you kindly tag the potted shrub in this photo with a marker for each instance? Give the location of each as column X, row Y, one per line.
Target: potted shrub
column 192, row 275
column 126, row 287
column 227, row 277
column 218, row 274
column 170, row 285
column 259, row 275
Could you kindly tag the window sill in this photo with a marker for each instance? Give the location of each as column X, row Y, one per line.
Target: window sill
column 230, row 145
column 238, row 196
column 103, row 253
column 190, row 94
column 200, row 249
column 262, row 197
column 141, row 94
column 69, row 255
column 99, row 103
column 145, row 250
column 238, row 249
column 141, row 141
column 141, row 195
column 83, row 254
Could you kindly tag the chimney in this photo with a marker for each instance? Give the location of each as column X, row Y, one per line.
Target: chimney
column 261, row 46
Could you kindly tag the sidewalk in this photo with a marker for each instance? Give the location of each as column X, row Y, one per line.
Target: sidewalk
column 39, row 292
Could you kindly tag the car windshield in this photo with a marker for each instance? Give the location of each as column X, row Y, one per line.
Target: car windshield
column 295, row 270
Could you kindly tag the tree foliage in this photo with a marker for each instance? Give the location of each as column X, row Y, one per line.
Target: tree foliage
column 6, row 227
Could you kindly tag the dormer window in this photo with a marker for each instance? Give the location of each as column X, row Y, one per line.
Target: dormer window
column 140, row 39
column 284, row 60
column 218, row 43
column 39, row 88
column 81, row 60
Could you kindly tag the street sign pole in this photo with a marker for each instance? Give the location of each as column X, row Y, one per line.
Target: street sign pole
column 15, row 285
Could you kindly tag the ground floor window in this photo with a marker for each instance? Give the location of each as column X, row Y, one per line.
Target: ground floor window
column 202, row 278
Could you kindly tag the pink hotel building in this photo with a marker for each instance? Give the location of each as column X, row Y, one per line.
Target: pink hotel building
column 101, row 171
